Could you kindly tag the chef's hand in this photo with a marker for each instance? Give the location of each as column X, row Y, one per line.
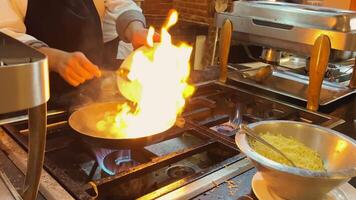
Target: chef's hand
column 136, row 33
column 74, row 68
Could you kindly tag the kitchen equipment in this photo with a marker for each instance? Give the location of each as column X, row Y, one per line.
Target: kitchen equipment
column 336, row 149
column 262, row 74
column 225, row 40
column 224, row 49
column 85, row 119
column 245, row 129
column 194, row 158
column 303, row 30
column 24, row 83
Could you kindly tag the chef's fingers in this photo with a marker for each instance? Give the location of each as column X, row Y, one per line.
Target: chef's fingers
column 139, row 38
column 71, row 73
column 71, row 81
column 78, row 68
column 87, row 65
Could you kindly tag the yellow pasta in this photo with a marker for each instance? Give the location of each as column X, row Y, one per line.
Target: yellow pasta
column 301, row 155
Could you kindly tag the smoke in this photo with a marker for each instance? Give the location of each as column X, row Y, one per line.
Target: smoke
column 103, row 89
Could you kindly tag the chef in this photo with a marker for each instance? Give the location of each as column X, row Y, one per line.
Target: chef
column 76, row 35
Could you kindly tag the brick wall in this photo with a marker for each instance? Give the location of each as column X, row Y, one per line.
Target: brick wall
column 196, row 17
column 192, row 10
column 157, row 7
column 195, row 10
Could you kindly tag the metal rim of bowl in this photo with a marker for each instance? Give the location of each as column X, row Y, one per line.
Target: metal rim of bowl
column 242, row 143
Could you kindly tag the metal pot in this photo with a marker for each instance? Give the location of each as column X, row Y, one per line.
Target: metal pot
column 337, row 55
column 84, row 121
column 337, row 150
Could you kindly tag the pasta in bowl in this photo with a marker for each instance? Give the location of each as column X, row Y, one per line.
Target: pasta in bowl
column 337, row 152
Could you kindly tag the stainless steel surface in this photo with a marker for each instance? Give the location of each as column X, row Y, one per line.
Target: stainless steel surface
column 25, row 117
column 262, row 74
column 336, row 55
column 24, row 85
column 295, row 86
column 49, row 187
column 336, row 149
column 208, row 182
column 37, row 143
column 332, row 122
column 271, row 55
column 7, row 190
column 245, row 129
column 258, row 75
column 290, row 27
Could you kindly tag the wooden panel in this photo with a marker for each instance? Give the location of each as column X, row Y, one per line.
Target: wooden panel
column 353, row 5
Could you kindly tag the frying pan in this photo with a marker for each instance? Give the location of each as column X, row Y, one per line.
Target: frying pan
column 84, row 121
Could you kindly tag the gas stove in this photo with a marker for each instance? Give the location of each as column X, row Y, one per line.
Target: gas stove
column 189, row 163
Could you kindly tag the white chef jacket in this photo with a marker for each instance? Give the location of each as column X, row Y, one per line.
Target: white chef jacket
column 13, row 13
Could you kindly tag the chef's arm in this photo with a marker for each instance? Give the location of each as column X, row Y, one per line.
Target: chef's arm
column 124, row 19
column 74, row 67
column 12, row 23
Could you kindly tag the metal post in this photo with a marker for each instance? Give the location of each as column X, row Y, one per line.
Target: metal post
column 318, row 63
column 36, row 143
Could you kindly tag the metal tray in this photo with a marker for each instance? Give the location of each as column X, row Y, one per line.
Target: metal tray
column 289, row 27
column 298, row 15
column 295, row 86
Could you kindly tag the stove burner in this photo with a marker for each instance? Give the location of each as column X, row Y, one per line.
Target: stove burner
column 113, row 161
column 118, row 161
column 179, row 171
column 225, row 128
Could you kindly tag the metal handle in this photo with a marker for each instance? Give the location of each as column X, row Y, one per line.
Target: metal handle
column 318, row 64
column 36, row 143
column 224, row 48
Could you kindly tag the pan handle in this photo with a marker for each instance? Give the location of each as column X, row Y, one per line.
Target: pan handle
column 36, row 143
column 353, row 77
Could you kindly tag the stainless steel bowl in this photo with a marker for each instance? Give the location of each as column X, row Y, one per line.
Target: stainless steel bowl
column 337, row 150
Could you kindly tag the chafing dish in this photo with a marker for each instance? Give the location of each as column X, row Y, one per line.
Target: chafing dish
column 321, row 35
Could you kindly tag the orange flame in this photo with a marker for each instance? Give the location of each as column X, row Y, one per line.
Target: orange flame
column 154, row 78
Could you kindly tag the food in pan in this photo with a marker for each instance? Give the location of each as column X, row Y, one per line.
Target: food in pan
column 301, row 155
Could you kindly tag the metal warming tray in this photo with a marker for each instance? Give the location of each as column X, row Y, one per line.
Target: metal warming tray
column 294, row 85
column 293, row 28
column 290, row 27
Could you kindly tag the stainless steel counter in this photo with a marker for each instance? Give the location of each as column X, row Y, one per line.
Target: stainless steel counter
column 49, row 188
